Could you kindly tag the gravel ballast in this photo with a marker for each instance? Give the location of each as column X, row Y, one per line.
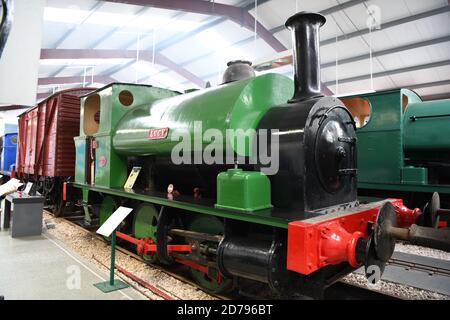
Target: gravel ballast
column 98, row 252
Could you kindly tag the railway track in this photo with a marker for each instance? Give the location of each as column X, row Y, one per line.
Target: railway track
column 343, row 291
column 430, row 266
column 173, row 271
column 350, row 291
column 420, row 272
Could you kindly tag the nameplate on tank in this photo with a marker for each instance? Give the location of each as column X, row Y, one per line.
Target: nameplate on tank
column 157, row 134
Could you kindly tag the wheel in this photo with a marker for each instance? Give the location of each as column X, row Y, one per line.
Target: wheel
column 144, row 226
column 167, row 220
column 48, row 185
column 58, row 207
column 107, row 207
column 214, row 226
column 58, row 204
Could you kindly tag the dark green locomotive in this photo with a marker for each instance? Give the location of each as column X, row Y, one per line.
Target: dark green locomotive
column 403, row 145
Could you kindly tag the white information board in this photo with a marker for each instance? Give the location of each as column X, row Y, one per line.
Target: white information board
column 113, row 221
column 9, row 187
column 28, row 187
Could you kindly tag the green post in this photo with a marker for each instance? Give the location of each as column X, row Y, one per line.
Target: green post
column 111, row 285
column 113, row 258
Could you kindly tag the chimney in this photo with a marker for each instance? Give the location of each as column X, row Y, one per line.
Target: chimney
column 306, row 58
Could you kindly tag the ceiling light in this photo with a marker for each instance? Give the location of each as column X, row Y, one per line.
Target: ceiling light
column 75, row 16
column 69, row 16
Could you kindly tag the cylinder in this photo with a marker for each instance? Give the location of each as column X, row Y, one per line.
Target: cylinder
column 306, row 57
column 246, row 258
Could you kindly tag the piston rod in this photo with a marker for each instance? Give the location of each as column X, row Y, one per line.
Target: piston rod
column 423, row 236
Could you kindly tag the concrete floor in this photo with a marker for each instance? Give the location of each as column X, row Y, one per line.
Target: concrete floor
column 40, row 267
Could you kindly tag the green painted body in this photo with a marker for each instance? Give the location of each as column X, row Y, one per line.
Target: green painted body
column 107, row 207
column 237, row 105
column 80, row 163
column 389, row 132
column 380, row 141
column 245, row 191
column 110, row 167
column 427, row 133
column 263, row 217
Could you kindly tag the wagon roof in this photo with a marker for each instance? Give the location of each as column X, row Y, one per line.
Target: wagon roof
column 78, row 92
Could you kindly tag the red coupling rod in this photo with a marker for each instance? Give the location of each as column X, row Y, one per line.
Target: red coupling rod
column 148, row 245
column 198, row 267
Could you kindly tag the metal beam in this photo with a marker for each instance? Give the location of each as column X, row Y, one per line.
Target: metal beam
column 43, row 95
column 71, row 31
column 331, row 10
column 374, row 54
column 136, row 15
column 325, row 42
column 12, row 107
column 73, row 79
column 429, row 84
column 325, row 12
column 239, row 15
column 114, row 54
column 209, row 23
column 93, row 9
column 387, row 25
column 170, row 42
column 391, row 72
column 88, row 54
column 388, row 51
column 439, row 96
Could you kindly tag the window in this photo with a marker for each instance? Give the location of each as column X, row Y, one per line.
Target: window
column 360, row 109
column 126, row 98
column 405, row 101
column 91, row 119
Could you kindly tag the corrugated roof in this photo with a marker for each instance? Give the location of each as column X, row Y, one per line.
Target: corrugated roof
column 199, row 45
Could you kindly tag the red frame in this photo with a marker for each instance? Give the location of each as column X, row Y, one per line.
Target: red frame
column 331, row 239
column 314, row 243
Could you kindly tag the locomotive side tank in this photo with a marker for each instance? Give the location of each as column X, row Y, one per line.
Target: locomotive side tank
column 427, row 128
column 237, row 105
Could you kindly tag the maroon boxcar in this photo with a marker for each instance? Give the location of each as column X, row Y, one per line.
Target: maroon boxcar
column 46, row 150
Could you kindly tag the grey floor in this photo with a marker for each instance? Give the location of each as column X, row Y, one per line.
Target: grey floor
column 41, row 268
